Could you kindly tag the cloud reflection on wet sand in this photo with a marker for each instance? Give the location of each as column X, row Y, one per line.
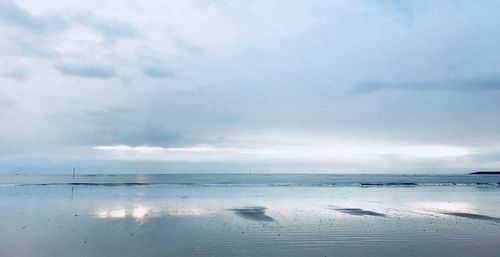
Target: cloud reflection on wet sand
column 359, row 212
column 255, row 213
column 142, row 213
column 472, row 216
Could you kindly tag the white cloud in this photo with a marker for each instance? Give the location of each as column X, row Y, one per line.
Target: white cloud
column 153, row 149
column 288, row 148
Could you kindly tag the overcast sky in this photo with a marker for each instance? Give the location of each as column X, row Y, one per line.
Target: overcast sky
column 249, row 86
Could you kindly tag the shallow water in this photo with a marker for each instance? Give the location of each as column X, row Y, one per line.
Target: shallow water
column 220, row 180
column 259, row 219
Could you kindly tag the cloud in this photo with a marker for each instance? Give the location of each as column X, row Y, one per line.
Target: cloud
column 153, row 149
column 100, row 72
column 187, row 46
column 126, row 152
column 5, row 102
column 468, row 85
column 158, row 72
column 11, row 14
column 286, row 148
column 120, row 124
column 25, row 34
column 17, row 74
column 110, row 29
column 69, row 41
column 198, row 74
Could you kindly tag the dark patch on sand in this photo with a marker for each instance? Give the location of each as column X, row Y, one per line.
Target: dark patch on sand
column 472, row 216
column 89, row 184
column 391, row 184
column 359, row 212
column 371, row 184
column 486, row 184
column 404, row 184
column 255, row 213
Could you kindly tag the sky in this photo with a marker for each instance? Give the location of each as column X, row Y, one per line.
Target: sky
column 344, row 86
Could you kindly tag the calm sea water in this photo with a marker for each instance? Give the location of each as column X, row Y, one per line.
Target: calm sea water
column 253, row 180
column 249, row 215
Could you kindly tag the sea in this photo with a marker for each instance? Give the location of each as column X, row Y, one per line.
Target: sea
column 249, row 215
column 253, row 180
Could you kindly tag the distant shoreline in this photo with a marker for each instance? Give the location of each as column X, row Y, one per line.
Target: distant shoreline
column 485, row 173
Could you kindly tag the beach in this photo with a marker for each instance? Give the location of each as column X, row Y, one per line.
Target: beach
column 255, row 217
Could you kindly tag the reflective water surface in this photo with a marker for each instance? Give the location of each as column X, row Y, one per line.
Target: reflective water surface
column 159, row 220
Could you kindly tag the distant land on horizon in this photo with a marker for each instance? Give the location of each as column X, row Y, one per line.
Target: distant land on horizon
column 485, row 173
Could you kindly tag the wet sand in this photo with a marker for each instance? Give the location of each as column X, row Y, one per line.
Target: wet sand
column 252, row 213
column 158, row 220
column 359, row 212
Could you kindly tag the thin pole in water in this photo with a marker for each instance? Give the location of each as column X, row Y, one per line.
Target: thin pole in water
column 73, row 173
